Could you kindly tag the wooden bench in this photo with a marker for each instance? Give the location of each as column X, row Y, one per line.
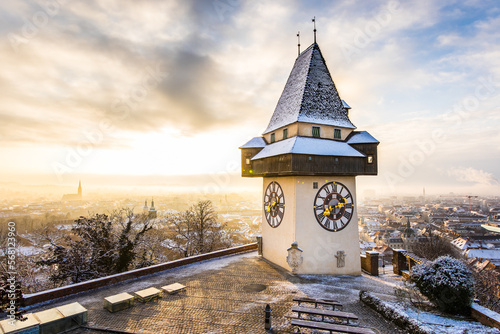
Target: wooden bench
column 317, row 302
column 325, row 313
column 331, row 327
column 147, row 295
column 173, row 288
column 118, row 302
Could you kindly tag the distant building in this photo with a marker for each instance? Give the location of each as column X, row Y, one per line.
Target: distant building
column 151, row 212
column 386, row 253
column 492, row 255
column 74, row 197
column 395, row 243
column 409, row 237
column 464, row 243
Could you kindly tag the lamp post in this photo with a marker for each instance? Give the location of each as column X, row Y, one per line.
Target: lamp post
column 383, row 263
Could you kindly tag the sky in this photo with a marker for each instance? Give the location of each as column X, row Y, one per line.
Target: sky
column 122, row 90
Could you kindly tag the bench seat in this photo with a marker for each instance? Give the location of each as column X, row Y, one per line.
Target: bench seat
column 332, row 328
column 173, row 288
column 147, row 295
column 118, row 302
column 316, row 302
column 325, row 313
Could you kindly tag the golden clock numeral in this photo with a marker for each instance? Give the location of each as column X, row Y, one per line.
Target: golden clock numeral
column 333, row 206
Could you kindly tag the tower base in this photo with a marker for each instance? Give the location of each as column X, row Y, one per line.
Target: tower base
column 320, row 251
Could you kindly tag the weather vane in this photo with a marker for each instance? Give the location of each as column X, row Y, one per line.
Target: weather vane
column 314, row 21
column 298, row 37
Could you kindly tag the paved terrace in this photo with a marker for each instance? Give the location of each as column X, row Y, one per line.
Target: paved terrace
column 220, row 298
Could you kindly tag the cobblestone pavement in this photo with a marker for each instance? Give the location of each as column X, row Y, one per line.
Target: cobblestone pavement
column 220, row 299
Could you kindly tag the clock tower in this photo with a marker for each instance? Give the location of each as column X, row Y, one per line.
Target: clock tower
column 309, row 157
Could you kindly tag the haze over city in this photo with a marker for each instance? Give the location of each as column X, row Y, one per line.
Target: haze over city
column 160, row 95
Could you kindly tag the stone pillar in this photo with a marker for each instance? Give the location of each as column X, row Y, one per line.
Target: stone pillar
column 399, row 261
column 259, row 245
column 372, row 262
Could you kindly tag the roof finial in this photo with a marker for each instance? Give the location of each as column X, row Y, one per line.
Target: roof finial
column 314, row 21
column 298, row 37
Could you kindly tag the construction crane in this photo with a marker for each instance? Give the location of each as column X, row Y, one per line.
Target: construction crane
column 468, row 196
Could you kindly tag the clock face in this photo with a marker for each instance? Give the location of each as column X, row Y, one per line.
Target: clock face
column 274, row 204
column 333, row 206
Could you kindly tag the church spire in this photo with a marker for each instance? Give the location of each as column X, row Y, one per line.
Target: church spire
column 152, row 210
column 80, row 188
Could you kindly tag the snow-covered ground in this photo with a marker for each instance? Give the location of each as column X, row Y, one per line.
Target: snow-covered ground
column 26, row 251
column 383, row 287
column 29, row 250
column 446, row 324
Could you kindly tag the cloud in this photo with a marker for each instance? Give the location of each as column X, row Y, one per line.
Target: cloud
column 90, row 62
column 472, row 175
column 210, row 66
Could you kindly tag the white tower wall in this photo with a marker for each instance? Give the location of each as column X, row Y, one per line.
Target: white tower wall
column 299, row 224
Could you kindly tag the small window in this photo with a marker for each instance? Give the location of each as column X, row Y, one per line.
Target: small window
column 337, row 134
column 315, row 185
column 285, row 133
column 247, row 161
column 316, row 132
column 370, row 159
column 273, row 138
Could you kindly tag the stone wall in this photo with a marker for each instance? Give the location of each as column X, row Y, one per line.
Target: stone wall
column 485, row 316
column 399, row 262
column 108, row 280
column 369, row 263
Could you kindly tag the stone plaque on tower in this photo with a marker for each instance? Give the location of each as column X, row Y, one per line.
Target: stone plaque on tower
column 309, row 157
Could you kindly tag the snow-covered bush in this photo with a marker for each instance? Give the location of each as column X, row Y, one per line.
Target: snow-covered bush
column 447, row 282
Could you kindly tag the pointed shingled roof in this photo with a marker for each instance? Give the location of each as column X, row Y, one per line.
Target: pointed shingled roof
column 309, row 95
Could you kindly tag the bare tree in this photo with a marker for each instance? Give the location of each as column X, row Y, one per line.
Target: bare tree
column 99, row 245
column 196, row 230
column 150, row 249
column 434, row 247
column 487, row 287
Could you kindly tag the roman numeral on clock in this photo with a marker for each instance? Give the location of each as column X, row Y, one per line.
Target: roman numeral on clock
column 274, row 204
column 335, row 200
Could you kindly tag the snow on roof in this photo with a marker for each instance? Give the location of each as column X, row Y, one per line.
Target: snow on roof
column 361, row 137
column 308, row 145
column 463, row 244
column 310, row 95
column 372, row 223
column 491, row 254
column 255, row 142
